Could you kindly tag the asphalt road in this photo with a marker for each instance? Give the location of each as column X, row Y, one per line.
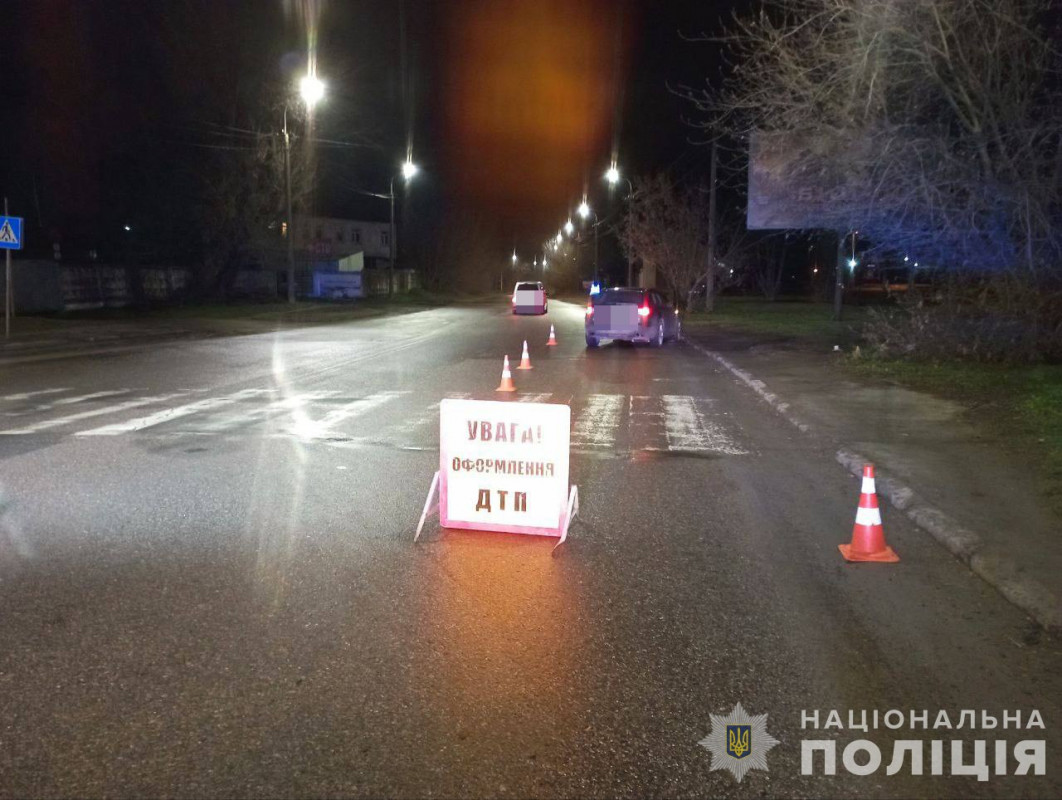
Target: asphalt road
column 208, row 584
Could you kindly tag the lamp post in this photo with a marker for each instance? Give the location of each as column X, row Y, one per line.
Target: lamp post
column 612, row 175
column 409, row 169
column 585, row 211
column 312, row 91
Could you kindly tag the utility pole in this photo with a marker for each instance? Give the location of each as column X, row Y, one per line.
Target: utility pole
column 838, row 287
column 9, row 300
column 291, row 222
column 394, row 245
column 709, row 279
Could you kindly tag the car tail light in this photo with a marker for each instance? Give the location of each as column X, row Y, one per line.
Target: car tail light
column 589, row 311
column 644, row 311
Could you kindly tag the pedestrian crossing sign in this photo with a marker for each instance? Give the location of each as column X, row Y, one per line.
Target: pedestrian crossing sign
column 10, row 233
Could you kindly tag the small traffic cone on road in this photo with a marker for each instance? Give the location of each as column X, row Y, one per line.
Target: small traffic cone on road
column 552, row 338
column 507, row 378
column 525, row 359
column 868, row 537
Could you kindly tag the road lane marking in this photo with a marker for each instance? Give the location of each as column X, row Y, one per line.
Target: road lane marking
column 597, row 423
column 28, row 395
column 687, row 429
column 170, row 414
column 98, row 412
column 534, row 397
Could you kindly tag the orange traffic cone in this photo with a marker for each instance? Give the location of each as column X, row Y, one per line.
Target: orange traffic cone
column 507, row 378
column 552, row 338
column 868, row 537
column 525, row 359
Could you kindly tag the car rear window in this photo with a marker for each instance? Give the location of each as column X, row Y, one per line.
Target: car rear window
column 616, row 297
column 527, row 287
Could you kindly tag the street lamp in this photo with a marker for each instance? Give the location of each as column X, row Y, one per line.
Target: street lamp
column 311, row 90
column 409, row 169
column 585, row 211
column 612, row 175
column 568, row 227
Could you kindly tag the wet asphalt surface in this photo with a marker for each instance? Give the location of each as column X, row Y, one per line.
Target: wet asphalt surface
column 230, row 603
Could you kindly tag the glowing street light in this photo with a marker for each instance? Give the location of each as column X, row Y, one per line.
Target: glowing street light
column 312, row 90
column 409, row 169
column 612, row 174
column 514, row 256
column 568, row 227
column 584, row 210
column 559, row 239
column 851, row 263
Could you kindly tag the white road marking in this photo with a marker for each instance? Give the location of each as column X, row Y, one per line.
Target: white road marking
column 170, row 414
column 295, row 403
column 687, row 428
column 316, row 429
column 534, row 397
column 98, row 412
column 28, row 395
column 68, row 401
column 597, row 422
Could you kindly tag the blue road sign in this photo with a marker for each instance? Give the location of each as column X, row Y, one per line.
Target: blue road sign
column 10, row 233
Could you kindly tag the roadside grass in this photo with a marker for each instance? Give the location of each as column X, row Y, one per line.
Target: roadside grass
column 1022, row 404
column 802, row 321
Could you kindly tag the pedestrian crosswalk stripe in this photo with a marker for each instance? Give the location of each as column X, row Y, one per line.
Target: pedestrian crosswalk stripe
column 306, row 428
column 601, row 422
column 170, row 414
column 97, row 412
column 27, row 395
column 596, row 424
column 687, row 429
column 69, row 401
column 295, row 404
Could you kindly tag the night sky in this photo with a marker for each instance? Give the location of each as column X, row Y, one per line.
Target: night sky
column 512, row 107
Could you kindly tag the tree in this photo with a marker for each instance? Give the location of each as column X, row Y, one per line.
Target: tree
column 944, row 115
column 669, row 228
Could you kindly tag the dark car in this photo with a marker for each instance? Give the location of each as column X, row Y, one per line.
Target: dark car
column 631, row 315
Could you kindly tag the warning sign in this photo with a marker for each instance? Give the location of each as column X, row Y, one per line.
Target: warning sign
column 10, row 233
column 504, row 466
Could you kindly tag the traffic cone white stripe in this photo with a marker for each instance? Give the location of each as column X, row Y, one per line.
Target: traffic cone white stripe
column 868, row 486
column 868, row 516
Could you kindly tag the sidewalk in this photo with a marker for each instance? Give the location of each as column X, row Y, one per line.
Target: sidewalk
column 963, row 485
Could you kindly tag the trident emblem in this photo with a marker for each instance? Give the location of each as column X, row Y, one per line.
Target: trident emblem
column 738, row 740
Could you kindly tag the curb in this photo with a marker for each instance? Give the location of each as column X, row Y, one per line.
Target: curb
column 998, row 571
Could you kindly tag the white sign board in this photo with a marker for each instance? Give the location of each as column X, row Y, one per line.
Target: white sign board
column 504, row 466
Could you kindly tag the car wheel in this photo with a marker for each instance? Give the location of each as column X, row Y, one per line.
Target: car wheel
column 658, row 340
column 592, row 341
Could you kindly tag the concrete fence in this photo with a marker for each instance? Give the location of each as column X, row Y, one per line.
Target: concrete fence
column 42, row 286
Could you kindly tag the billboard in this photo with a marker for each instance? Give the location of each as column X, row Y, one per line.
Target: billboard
column 801, row 180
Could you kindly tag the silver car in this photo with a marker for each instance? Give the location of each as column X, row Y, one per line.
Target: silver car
column 631, row 315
